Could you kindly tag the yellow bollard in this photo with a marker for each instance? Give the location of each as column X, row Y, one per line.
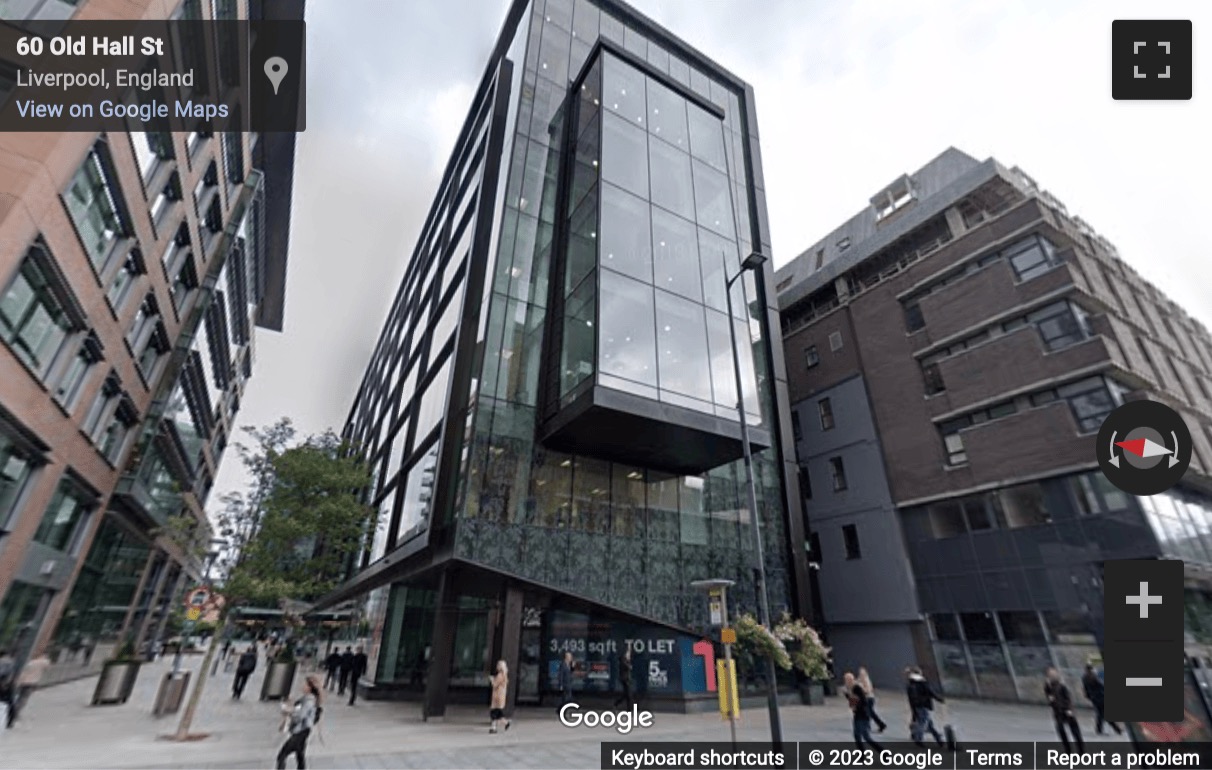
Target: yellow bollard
column 725, row 677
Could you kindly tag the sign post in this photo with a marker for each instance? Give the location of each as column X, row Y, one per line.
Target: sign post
column 726, row 684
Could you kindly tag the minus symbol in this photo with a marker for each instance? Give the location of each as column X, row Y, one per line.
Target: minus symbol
column 1143, row 681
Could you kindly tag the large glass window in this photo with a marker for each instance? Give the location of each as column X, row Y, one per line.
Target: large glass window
column 20, row 608
column 1059, row 325
column 713, row 200
column 90, row 201
column 682, row 347
column 627, row 339
column 61, row 521
column 626, row 244
column 32, row 319
column 418, row 493
column 578, row 344
column 1091, row 402
column 667, row 115
column 182, row 416
column 1031, row 258
column 707, row 138
column 625, row 155
column 672, row 185
column 433, row 402
column 675, row 252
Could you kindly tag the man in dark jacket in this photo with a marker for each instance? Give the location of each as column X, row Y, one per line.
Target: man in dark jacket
column 921, row 705
column 564, row 680
column 244, row 668
column 345, row 667
column 1094, row 689
column 332, row 665
column 1061, row 702
column 625, row 679
column 357, row 668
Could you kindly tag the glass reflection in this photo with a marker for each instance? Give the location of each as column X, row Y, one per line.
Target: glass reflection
column 627, row 340
column 667, row 116
column 625, row 155
column 707, row 137
column 577, row 356
column 623, row 91
column 626, row 244
column 712, row 199
column 682, row 345
column 675, row 252
column 672, row 186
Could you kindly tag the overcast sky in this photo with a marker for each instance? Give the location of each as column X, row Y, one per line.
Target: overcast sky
column 851, row 94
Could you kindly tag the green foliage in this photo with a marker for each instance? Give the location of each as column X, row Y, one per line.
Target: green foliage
column 300, row 520
column 754, row 642
column 808, row 655
column 125, row 652
column 285, row 654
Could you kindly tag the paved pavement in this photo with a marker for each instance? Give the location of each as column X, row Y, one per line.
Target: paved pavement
column 60, row 730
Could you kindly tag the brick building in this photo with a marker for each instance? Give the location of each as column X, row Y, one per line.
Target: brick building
column 133, row 270
column 951, row 352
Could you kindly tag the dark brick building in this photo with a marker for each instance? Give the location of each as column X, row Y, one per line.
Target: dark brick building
column 951, row 352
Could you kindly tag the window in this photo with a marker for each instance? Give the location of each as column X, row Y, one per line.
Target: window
column 233, row 157
column 16, row 466
column 953, row 442
column 1031, row 258
column 835, row 341
column 843, row 244
column 913, row 317
column 1004, row 409
column 149, row 311
column 1091, row 402
column 934, row 379
column 811, row 357
column 157, row 346
column 61, row 521
column 1095, row 494
column 837, row 471
column 805, row 483
column 1024, row 506
column 851, row 540
column 824, row 408
column 20, row 608
column 168, row 194
column 77, row 369
column 1060, row 325
column 184, row 281
column 150, row 147
column 820, row 259
column 112, row 439
column 796, row 430
column 124, row 279
column 33, row 319
column 90, row 200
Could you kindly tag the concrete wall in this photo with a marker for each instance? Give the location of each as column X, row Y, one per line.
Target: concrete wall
column 884, row 648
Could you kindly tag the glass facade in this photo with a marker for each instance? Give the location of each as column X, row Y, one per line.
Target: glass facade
column 105, row 588
column 621, row 207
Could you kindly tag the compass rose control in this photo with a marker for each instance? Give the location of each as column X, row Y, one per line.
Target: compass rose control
column 1144, row 447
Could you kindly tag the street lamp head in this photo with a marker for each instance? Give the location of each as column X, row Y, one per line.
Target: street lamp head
column 754, row 261
column 708, row 585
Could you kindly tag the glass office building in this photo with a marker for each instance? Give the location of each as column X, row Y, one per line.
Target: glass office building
column 551, row 410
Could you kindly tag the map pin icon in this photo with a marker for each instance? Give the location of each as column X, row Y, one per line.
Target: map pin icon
column 275, row 70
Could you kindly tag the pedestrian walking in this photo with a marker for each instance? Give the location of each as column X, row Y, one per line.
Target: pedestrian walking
column 345, row 667
column 8, row 687
column 332, row 668
column 226, row 648
column 1061, row 701
column 357, row 667
column 28, row 680
column 244, row 669
column 500, row 686
column 922, row 698
column 864, row 680
column 564, row 680
column 303, row 716
column 1092, row 684
column 860, row 711
column 625, row 680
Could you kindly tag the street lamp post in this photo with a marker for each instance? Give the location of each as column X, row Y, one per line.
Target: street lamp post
column 718, row 588
column 754, row 262
column 217, row 545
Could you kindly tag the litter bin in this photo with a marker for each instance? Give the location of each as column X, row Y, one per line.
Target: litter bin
column 172, row 691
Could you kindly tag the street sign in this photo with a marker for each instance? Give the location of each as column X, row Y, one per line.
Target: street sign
column 728, row 636
column 717, row 611
column 197, row 597
column 193, row 614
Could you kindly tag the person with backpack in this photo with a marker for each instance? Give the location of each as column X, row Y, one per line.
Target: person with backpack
column 244, row 669
column 302, row 718
column 921, row 704
column 1061, row 701
column 8, row 688
column 860, row 710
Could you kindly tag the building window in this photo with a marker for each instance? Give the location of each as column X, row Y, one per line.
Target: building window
column 1091, row 402
column 796, row 430
column 805, row 483
column 843, row 244
column 112, row 440
column 835, row 341
column 124, row 279
column 934, row 379
column 90, row 201
column 850, row 539
column 913, row 317
column 1095, row 494
column 184, row 281
column 156, row 347
column 15, row 469
column 233, row 157
column 814, row 547
column 145, row 320
column 1060, row 325
column 1023, row 505
column 820, row 259
column 76, row 371
column 953, row 442
column 811, row 357
column 21, row 606
column 824, row 408
column 151, row 147
column 1031, row 258
column 61, row 522
column 33, row 319
column 837, row 471
column 170, row 193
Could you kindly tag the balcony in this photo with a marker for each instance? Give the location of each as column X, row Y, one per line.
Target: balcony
column 1038, row 441
column 993, row 290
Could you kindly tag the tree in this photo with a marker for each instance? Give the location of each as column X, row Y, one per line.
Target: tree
column 754, row 643
column 292, row 531
column 808, row 654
